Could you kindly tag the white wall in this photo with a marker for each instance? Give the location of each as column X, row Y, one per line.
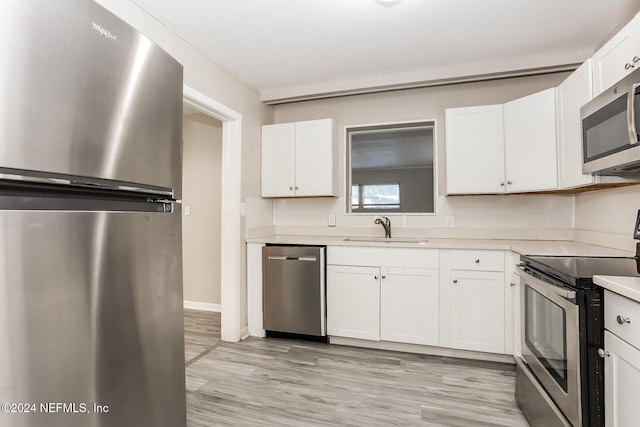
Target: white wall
column 475, row 212
column 202, row 194
column 607, row 217
column 212, row 80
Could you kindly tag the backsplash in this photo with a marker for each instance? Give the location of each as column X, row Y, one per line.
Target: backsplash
column 607, row 217
column 467, row 212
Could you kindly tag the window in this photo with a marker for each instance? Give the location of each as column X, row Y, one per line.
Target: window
column 375, row 196
column 391, row 168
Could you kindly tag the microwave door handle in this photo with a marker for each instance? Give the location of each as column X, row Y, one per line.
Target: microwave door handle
column 631, row 114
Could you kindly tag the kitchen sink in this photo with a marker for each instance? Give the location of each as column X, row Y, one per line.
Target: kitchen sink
column 418, row 240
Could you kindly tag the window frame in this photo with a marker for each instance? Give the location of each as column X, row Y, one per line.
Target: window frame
column 390, row 126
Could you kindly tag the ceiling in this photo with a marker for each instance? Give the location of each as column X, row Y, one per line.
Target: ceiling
column 299, row 49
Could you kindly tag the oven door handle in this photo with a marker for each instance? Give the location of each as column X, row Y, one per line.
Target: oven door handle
column 548, row 289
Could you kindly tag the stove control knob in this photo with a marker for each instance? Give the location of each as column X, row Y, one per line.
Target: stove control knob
column 622, row 320
column 602, row 353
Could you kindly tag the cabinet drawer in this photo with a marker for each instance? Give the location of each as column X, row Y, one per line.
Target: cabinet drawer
column 620, row 309
column 477, row 260
column 383, row 257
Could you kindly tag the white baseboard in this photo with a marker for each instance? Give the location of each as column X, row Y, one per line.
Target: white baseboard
column 423, row 349
column 204, row 306
column 244, row 333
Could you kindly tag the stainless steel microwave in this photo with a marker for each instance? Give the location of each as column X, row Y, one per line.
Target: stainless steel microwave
column 610, row 124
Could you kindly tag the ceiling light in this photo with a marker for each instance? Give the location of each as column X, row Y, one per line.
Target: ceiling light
column 388, row 3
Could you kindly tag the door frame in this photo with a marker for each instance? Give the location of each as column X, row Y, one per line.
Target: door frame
column 230, row 207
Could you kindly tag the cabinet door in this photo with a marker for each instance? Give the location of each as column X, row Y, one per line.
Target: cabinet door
column 477, row 310
column 314, row 158
column 278, row 159
column 617, row 58
column 353, row 302
column 475, row 150
column 621, row 382
column 573, row 93
column 530, row 142
column 409, row 305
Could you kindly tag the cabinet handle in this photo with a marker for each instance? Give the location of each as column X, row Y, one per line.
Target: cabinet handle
column 477, row 261
column 628, row 66
column 455, row 280
column 603, row 353
column 290, row 188
column 384, row 277
column 297, row 187
column 375, row 277
column 636, row 59
column 502, row 183
column 512, row 284
column 509, row 182
column 622, row 320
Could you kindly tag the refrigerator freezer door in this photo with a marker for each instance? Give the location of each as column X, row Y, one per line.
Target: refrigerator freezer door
column 91, row 313
column 84, row 94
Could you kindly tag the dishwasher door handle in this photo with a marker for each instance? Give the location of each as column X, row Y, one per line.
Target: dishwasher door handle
column 278, row 257
column 293, row 258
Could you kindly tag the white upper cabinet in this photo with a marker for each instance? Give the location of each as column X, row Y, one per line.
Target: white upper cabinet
column 278, row 160
column 618, row 57
column 508, row 148
column 475, row 150
column 530, row 142
column 298, row 159
column 573, row 93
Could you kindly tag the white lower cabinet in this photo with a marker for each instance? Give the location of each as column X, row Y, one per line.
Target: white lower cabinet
column 476, row 310
column 477, row 300
column 455, row 299
column 409, row 308
column 621, row 360
column 353, row 302
column 621, row 382
column 395, row 302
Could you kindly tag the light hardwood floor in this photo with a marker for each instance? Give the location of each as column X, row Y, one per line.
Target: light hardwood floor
column 201, row 333
column 277, row 382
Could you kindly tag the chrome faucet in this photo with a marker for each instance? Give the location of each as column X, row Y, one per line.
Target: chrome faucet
column 386, row 224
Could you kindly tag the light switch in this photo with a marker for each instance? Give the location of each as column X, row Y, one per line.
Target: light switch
column 187, row 210
column 332, row 220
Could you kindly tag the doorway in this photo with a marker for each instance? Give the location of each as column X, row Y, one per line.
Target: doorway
column 201, row 214
column 230, row 236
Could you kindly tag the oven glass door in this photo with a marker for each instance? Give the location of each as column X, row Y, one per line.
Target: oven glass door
column 546, row 334
column 550, row 341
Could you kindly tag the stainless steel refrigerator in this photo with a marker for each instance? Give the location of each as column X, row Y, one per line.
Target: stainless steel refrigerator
column 91, row 326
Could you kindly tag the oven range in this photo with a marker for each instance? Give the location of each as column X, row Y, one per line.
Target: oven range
column 560, row 377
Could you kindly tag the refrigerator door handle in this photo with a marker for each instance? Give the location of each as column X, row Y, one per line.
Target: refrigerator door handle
column 32, row 177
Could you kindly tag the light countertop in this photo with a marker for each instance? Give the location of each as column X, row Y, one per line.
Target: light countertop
column 626, row 286
column 522, row 247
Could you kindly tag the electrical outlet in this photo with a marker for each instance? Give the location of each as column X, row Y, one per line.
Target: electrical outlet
column 449, row 220
column 187, row 210
column 332, row 220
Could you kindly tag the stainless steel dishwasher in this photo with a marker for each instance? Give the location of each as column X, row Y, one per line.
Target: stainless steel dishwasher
column 294, row 290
